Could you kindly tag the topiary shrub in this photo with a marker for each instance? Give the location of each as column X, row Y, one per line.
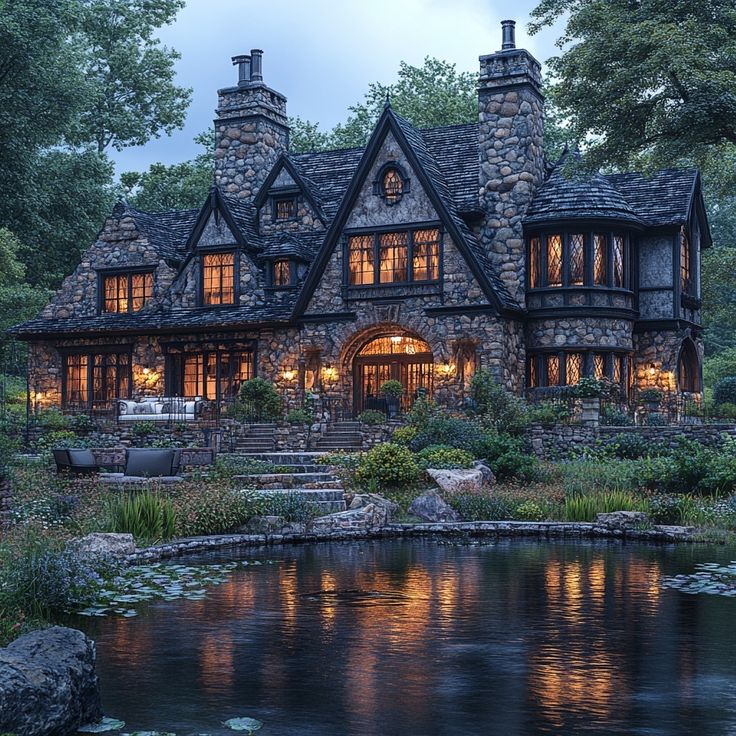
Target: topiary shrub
column 444, row 457
column 393, row 389
column 529, row 511
column 258, row 400
column 388, row 465
column 724, row 392
column 372, row 417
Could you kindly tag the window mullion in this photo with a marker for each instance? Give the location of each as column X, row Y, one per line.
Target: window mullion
column 410, row 256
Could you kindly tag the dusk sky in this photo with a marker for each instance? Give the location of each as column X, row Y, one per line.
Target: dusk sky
column 322, row 55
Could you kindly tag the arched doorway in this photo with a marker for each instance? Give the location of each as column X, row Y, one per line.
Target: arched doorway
column 391, row 357
column 688, row 368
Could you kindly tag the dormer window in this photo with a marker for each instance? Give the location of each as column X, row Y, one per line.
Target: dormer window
column 126, row 292
column 218, row 278
column 282, row 272
column 685, row 262
column 284, row 208
column 391, row 183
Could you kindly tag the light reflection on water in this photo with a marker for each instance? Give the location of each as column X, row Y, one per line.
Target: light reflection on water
column 423, row 638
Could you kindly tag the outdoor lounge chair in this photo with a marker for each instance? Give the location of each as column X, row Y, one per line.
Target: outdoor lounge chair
column 78, row 461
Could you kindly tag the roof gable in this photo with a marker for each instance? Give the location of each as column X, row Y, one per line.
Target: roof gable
column 431, row 179
column 216, row 221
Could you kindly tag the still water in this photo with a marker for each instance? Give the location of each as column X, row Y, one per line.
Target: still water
column 423, row 638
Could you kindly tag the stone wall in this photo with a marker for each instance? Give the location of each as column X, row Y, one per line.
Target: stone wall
column 559, row 440
column 583, row 332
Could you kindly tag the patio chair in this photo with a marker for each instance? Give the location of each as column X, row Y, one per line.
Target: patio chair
column 78, row 461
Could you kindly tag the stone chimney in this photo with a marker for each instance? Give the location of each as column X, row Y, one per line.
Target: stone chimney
column 251, row 129
column 510, row 105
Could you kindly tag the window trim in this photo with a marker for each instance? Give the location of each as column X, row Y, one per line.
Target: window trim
column 203, row 252
column 378, row 188
column 103, row 273
column 376, row 233
column 292, row 273
column 277, row 197
column 539, row 357
column 90, row 352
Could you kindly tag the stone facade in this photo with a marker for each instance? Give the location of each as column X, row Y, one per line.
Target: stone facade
column 476, row 184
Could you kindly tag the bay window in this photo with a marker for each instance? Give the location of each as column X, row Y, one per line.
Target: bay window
column 567, row 367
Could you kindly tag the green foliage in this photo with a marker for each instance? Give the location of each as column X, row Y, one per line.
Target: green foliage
column 300, row 416
column 372, row 417
column 211, row 510
column 142, row 430
column 404, row 435
column 497, row 407
column 613, row 417
column 724, row 392
column 529, row 511
column 52, row 420
column 548, row 413
column 631, row 446
column 670, row 509
column 389, row 466
column 292, row 507
column 258, row 400
column 444, row 457
column 507, row 456
column 145, row 515
column 584, row 507
column 81, row 423
column 589, row 387
column 392, row 389
column 58, row 440
column 722, row 365
column 479, row 507
column 651, row 395
column 441, row 429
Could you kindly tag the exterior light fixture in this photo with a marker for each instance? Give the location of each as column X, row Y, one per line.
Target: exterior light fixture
column 446, row 368
column 289, row 374
column 330, row 372
column 146, row 371
column 652, row 370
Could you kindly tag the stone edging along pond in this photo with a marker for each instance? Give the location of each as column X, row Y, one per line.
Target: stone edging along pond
column 479, row 529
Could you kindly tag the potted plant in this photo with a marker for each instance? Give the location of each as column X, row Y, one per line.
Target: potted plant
column 589, row 390
column 652, row 397
column 392, row 392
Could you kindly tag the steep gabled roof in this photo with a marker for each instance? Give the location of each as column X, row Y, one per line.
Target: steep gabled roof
column 431, row 178
column 166, row 231
column 303, row 246
column 238, row 217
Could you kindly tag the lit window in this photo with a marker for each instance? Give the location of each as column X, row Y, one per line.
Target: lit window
column 281, row 273
column 392, row 258
column 285, row 208
column 553, row 370
column 77, row 380
column 127, row 292
column 573, row 368
column 618, row 368
column 554, row 260
column 96, row 380
column 535, row 263
column 600, row 258
column 577, row 259
column 200, row 372
column 685, row 275
column 218, row 278
column 618, row 260
column 426, row 255
column 533, row 381
column 393, row 186
column 360, row 260
column 599, row 365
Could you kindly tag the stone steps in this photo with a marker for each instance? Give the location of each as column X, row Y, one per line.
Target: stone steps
column 279, row 458
column 324, row 500
column 290, row 480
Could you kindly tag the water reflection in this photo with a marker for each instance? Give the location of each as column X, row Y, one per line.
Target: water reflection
column 425, row 638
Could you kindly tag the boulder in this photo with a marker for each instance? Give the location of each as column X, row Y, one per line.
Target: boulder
column 111, row 545
column 458, row 481
column 430, row 507
column 360, row 500
column 48, row 685
column 622, row 519
column 370, row 516
column 488, row 477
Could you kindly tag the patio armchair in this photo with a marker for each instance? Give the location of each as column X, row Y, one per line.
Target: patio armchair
column 78, row 461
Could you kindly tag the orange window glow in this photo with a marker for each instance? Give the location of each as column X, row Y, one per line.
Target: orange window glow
column 218, row 278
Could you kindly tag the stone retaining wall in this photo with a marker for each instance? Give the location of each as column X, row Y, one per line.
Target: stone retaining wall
column 6, row 503
column 559, row 440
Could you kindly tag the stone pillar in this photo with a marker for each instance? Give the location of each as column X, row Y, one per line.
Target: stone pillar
column 251, row 131
column 510, row 106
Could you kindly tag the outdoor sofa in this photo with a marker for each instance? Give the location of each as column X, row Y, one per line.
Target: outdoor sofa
column 158, row 409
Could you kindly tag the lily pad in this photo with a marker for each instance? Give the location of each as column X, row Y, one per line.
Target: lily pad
column 711, row 578
column 103, row 726
column 249, row 725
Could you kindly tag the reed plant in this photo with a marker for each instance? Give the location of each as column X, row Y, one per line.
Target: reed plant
column 145, row 515
column 585, row 506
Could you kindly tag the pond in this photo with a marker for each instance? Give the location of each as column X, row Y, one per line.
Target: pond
column 432, row 638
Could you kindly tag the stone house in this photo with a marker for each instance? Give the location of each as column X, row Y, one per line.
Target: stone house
column 421, row 257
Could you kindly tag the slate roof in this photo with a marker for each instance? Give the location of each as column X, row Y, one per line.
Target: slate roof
column 166, row 231
column 302, row 245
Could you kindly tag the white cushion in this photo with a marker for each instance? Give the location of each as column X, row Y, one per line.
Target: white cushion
column 125, row 406
column 189, row 406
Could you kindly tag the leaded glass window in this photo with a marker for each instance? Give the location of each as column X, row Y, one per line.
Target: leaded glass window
column 535, row 263
column 360, row 260
column 577, row 259
column 573, row 368
column 426, row 255
column 393, row 186
column 533, row 378
column 618, row 260
column 685, row 275
column 285, row 208
column 553, row 370
column 218, row 278
column 77, row 379
column 599, row 365
column 216, row 374
column 554, row 260
column 392, row 258
column 600, row 259
column 126, row 292
column 618, row 368
column 281, row 273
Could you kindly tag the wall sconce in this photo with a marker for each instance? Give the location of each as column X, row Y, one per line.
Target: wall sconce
column 288, row 374
column 146, row 371
column 330, row 372
column 446, row 368
column 652, row 370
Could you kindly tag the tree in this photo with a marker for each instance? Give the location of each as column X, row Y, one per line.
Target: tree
column 132, row 96
column 180, row 186
column 645, row 78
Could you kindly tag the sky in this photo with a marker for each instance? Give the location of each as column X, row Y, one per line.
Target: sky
column 321, row 54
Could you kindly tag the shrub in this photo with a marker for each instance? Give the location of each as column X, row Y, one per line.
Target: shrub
column 59, row 439
column 258, row 399
column 656, row 420
column 529, row 511
column 727, row 410
column 372, row 417
column 612, row 417
column 584, row 507
column 670, row 509
column 53, row 420
column 724, row 392
column 300, row 416
column 548, row 412
column 651, row 395
column 82, row 423
column 292, row 507
column 142, row 429
column 421, row 412
column 442, row 456
column 506, row 456
column 479, row 507
column 404, row 435
column 444, row 430
column 497, row 407
column 631, row 446
column 389, row 466
column 392, row 389
column 145, row 515
column 212, row 510
column 589, row 387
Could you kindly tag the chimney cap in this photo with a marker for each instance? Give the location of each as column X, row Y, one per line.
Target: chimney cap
column 508, row 35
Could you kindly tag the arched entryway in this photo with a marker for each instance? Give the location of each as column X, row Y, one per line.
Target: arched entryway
column 392, row 356
column 688, row 368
